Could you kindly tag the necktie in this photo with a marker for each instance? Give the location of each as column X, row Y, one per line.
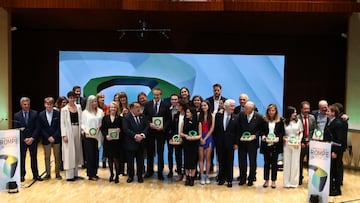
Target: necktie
column 227, row 121
column 26, row 114
column 305, row 127
column 156, row 108
column 137, row 120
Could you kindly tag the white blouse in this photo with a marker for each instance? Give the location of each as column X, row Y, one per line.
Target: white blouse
column 91, row 120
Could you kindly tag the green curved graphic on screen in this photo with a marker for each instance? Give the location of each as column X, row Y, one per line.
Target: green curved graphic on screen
column 95, row 85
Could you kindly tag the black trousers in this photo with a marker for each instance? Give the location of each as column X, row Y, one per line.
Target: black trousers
column 304, row 152
column 248, row 149
column 33, row 154
column 131, row 155
column 122, row 160
column 153, row 140
column 270, row 162
column 92, row 156
column 178, row 157
column 335, row 175
column 226, row 163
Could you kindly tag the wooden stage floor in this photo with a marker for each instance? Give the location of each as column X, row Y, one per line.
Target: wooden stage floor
column 153, row 190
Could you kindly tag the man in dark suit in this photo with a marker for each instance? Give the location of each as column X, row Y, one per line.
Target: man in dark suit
column 26, row 121
column 157, row 133
column 214, row 102
column 251, row 128
column 215, row 99
column 135, row 127
column 49, row 124
column 309, row 125
column 225, row 130
column 334, row 132
column 79, row 100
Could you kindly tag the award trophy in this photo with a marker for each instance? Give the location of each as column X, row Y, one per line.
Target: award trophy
column 246, row 136
column 113, row 133
column 318, row 134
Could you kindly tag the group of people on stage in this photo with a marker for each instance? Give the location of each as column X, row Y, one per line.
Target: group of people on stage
column 76, row 128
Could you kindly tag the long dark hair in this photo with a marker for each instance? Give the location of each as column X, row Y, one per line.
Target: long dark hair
column 209, row 114
column 289, row 111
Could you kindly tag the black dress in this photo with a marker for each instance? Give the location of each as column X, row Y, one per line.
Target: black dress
column 112, row 148
column 190, row 147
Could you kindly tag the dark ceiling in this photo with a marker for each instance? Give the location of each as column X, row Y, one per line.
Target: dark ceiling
column 258, row 23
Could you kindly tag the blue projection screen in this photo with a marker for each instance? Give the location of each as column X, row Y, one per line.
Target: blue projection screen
column 259, row 76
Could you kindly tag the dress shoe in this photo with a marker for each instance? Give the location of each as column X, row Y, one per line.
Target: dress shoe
column 47, row 177
column 187, row 181
column 148, row 175
column 129, row 180
column 93, row 178
column 250, row 183
column 300, row 182
column 22, row 179
column 160, row 177
column 111, row 178
column 170, row 174
column 58, row 176
column 180, row 177
column 229, row 184
column 116, row 180
column 242, row 182
column 192, row 179
column 221, row 182
column 140, row 179
column 335, row 193
column 70, row 179
column 273, row 185
column 38, row 178
column 78, row 178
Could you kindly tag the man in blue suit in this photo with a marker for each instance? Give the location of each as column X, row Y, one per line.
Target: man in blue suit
column 49, row 123
column 26, row 121
column 135, row 127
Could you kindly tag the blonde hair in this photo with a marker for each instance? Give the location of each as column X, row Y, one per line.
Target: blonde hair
column 49, row 100
column 113, row 103
column 267, row 117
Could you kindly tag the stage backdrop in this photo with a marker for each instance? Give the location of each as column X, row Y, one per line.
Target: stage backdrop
column 9, row 157
column 260, row 76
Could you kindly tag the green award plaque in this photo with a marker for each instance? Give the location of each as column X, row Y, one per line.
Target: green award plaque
column 113, row 133
column 293, row 140
column 93, row 132
column 318, row 134
column 271, row 137
column 246, row 136
column 175, row 140
column 158, row 121
column 192, row 133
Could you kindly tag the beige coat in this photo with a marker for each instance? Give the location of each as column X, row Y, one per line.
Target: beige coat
column 68, row 149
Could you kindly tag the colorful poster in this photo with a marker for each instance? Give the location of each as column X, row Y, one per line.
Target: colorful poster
column 9, row 157
column 319, row 170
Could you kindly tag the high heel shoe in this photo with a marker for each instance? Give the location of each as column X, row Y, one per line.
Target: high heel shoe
column 111, row 178
column 273, row 185
column 116, row 179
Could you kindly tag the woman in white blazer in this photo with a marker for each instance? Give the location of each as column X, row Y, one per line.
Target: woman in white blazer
column 71, row 137
column 292, row 148
column 90, row 126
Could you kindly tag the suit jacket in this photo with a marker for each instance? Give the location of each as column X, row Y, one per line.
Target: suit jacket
column 50, row 130
column 164, row 111
column 335, row 132
column 256, row 126
column 225, row 138
column 31, row 129
column 311, row 125
column 279, row 131
column 238, row 109
column 130, row 129
column 211, row 101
